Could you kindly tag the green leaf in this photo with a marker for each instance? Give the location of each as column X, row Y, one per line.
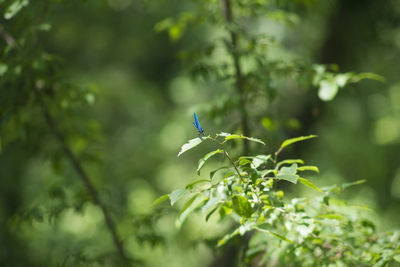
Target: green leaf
column 275, row 234
column 309, row 184
column 229, row 136
column 176, row 195
column 160, row 200
column 189, row 206
column 189, row 145
column 295, row 140
column 368, row 75
column 214, row 171
column 191, row 185
column 241, row 206
column 227, row 237
column 331, row 216
column 258, row 160
column 288, row 174
column 327, row 90
column 266, row 172
column 211, row 212
column 346, row 185
column 3, row 68
column 14, row 8
column 244, row 161
column 289, row 161
column 397, row 257
column 206, row 157
column 308, row 168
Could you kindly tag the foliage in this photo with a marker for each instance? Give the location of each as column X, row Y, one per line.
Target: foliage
column 309, row 231
column 92, row 108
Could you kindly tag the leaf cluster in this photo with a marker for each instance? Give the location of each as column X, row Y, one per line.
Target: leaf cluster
column 312, row 231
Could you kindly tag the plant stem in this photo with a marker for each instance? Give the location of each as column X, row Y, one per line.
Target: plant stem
column 227, row 11
column 234, row 166
column 83, row 176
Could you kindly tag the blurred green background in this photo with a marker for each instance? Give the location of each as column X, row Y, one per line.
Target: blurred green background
column 141, row 100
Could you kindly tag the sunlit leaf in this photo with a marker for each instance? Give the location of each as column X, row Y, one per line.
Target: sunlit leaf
column 176, row 195
column 289, row 161
column 227, row 237
column 295, row 140
column 189, row 206
column 368, row 75
column 160, row 200
column 281, row 237
column 309, row 184
column 189, row 145
column 14, row 8
column 212, row 212
column 347, row 185
column 214, row 171
column 288, row 174
column 206, row 157
column 327, row 90
column 397, row 257
column 308, row 168
column 191, row 185
column 331, row 216
column 258, row 160
column 229, row 136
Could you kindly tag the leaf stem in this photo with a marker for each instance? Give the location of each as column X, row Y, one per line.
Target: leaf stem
column 234, row 166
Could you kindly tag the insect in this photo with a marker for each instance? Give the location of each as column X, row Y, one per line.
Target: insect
column 197, row 124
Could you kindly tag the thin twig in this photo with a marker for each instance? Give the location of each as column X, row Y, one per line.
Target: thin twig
column 227, row 11
column 234, row 166
column 83, row 176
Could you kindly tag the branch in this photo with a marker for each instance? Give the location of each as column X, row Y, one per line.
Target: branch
column 83, row 176
column 227, row 11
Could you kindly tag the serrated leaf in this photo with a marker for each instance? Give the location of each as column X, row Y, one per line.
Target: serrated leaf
column 191, row 185
column 308, row 168
column 289, row 161
column 190, row 144
column 241, row 206
column 176, row 195
column 206, row 157
column 288, row 174
column 295, row 140
column 229, row 136
column 309, row 184
column 160, row 200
